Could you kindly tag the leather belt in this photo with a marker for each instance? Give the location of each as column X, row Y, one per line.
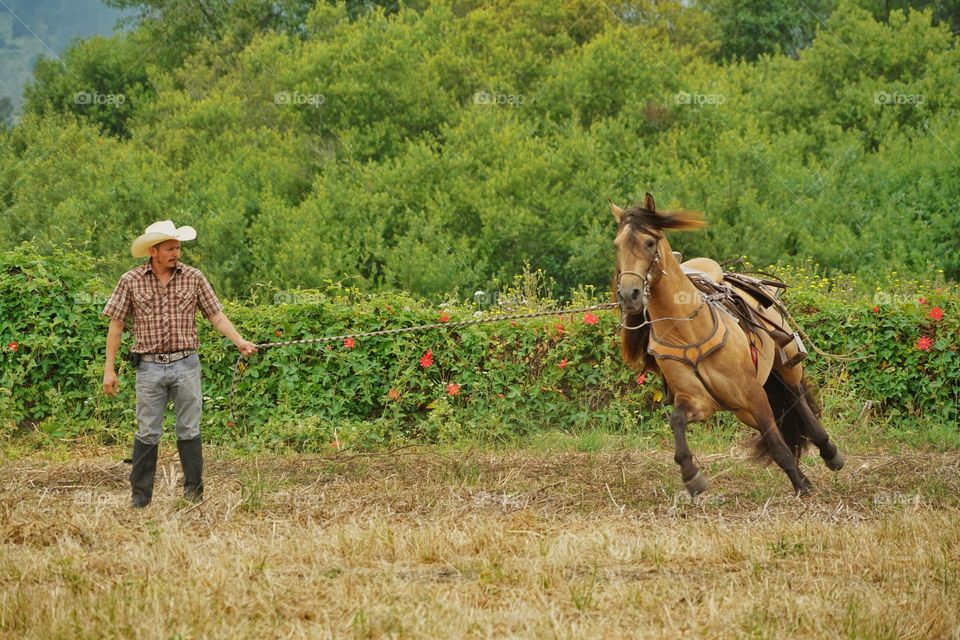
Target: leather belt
column 167, row 358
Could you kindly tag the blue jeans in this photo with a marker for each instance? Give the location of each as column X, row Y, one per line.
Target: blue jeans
column 157, row 384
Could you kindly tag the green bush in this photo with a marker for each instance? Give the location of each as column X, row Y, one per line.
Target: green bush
column 52, row 339
column 489, row 381
column 908, row 330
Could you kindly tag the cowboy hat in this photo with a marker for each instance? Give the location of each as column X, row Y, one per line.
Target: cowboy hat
column 159, row 232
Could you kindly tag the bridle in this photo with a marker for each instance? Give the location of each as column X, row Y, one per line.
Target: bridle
column 644, row 293
column 645, row 296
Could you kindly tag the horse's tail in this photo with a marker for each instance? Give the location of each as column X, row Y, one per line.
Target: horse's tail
column 789, row 419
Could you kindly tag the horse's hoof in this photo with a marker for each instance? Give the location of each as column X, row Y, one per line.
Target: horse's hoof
column 696, row 485
column 835, row 463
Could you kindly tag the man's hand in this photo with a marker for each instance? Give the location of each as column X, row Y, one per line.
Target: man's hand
column 110, row 383
column 246, row 347
column 222, row 323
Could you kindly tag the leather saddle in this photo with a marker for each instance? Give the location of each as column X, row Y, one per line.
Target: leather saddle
column 754, row 302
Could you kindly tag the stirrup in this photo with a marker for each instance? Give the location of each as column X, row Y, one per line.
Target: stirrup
column 798, row 357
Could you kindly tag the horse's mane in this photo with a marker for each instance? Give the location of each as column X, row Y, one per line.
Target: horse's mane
column 640, row 218
column 633, row 343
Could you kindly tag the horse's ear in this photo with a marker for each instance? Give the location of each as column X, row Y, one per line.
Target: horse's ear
column 648, row 203
column 617, row 211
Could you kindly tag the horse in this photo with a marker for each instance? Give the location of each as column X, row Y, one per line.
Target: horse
column 710, row 358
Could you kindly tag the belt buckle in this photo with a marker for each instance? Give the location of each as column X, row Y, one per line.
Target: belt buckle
column 163, row 358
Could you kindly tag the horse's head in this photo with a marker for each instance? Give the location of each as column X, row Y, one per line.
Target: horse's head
column 642, row 249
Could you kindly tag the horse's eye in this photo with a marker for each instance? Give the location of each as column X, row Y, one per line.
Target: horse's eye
column 650, row 244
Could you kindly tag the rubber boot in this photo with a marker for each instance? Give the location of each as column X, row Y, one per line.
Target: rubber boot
column 191, row 460
column 143, row 472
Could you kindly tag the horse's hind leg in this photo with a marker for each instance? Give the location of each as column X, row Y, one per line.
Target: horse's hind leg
column 692, row 478
column 814, row 429
column 772, row 443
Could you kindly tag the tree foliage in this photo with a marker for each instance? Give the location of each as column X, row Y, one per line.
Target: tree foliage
column 437, row 147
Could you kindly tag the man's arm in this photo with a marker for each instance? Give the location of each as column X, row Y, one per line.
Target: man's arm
column 110, row 382
column 222, row 323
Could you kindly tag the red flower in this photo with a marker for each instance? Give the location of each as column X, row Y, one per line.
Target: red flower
column 453, row 389
column 924, row 343
column 936, row 313
column 589, row 318
column 426, row 360
column 230, row 424
column 642, row 378
column 444, row 317
column 349, row 343
column 393, row 394
column 876, row 309
column 923, row 300
column 279, row 332
column 559, row 328
column 13, row 346
column 500, row 395
column 563, row 363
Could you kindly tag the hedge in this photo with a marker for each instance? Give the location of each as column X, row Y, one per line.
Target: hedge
column 490, row 380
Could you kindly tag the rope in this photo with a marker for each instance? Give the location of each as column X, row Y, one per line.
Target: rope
column 844, row 357
column 239, row 367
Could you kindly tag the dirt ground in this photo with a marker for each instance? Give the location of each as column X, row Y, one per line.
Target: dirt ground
column 431, row 543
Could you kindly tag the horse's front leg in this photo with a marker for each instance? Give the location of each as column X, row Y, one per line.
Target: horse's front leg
column 692, row 478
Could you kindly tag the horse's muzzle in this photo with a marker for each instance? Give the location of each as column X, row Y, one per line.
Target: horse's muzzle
column 630, row 300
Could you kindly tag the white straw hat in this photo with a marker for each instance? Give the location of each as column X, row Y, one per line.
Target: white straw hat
column 159, row 232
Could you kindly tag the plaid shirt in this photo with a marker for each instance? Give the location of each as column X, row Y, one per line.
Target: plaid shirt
column 164, row 317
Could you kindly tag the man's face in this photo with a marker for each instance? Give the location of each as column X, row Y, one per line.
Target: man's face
column 166, row 254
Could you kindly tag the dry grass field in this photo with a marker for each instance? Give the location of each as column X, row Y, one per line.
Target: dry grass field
column 439, row 543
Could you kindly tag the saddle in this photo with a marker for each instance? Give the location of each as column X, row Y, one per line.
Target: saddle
column 742, row 296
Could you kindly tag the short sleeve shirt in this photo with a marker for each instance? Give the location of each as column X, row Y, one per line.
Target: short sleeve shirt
column 164, row 317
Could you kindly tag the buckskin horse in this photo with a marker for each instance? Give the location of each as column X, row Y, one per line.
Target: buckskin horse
column 721, row 341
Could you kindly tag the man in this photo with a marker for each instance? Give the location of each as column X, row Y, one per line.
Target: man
column 163, row 296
